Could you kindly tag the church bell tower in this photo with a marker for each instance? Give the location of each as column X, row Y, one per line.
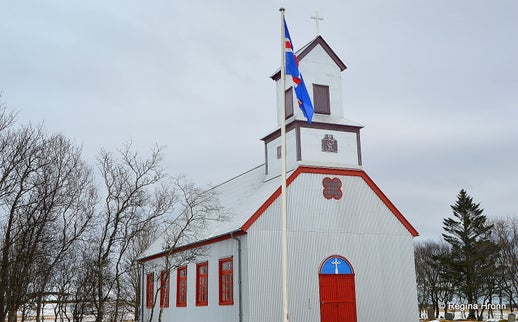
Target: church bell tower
column 330, row 140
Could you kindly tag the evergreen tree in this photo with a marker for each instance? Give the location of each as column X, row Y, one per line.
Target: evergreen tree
column 472, row 251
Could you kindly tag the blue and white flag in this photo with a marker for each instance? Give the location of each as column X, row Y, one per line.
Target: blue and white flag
column 292, row 68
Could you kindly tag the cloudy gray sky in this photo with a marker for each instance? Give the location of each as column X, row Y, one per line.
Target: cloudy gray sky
column 434, row 82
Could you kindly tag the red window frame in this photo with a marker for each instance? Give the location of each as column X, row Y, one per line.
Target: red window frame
column 202, row 284
column 150, row 290
column 226, row 281
column 181, row 287
column 164, row 289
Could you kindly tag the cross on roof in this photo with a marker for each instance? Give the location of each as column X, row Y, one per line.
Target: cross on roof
column 316, row 17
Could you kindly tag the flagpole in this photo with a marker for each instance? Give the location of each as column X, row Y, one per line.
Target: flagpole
column 284, row 206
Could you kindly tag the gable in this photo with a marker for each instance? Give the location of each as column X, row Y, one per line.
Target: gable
column 304, row 51
column 322, row 43
column 363, row 204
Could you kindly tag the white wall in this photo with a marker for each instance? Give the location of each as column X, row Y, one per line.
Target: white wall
column 214, row 311
column 274, row 164
column 311, row 150
column 359, row 227
column 317, row 68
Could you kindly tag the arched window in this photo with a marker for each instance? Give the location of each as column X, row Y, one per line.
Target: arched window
column 336, row 265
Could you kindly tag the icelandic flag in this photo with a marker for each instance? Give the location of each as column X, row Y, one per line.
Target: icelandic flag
column 292, row 68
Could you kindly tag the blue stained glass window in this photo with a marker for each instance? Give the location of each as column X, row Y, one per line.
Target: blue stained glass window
column 336, row 265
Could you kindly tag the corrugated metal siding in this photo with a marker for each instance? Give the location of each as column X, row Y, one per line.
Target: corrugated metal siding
column 264, row 268
column 358, row 227
column 386, row 284
column 214, row 311
column 359, row 211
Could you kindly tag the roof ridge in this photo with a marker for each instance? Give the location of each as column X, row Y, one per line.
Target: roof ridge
column 237, row 176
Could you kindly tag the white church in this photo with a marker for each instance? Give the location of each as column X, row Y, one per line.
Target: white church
column 350, row 251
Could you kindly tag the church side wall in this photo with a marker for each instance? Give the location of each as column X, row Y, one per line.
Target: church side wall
column 213, row 311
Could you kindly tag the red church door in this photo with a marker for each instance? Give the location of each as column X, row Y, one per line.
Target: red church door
column 337, row 295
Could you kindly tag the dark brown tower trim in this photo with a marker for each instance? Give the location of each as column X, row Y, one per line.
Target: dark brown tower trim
column 307, row 48
column 297, row 125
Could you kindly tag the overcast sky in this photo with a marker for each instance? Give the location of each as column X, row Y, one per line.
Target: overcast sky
column 435, row 83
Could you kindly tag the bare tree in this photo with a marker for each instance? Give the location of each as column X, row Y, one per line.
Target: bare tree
column 7, row 118
column 432, row 288
column 66, row 241
column 506, row 236
column 135, row 196
column 199, row 208
column 71, row 195
column 45, row 188
column 133, row 278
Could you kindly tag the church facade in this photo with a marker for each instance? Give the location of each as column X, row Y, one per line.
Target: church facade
column 350, row 251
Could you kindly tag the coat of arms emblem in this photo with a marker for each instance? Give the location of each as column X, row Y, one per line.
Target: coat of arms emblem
column 329, row 144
